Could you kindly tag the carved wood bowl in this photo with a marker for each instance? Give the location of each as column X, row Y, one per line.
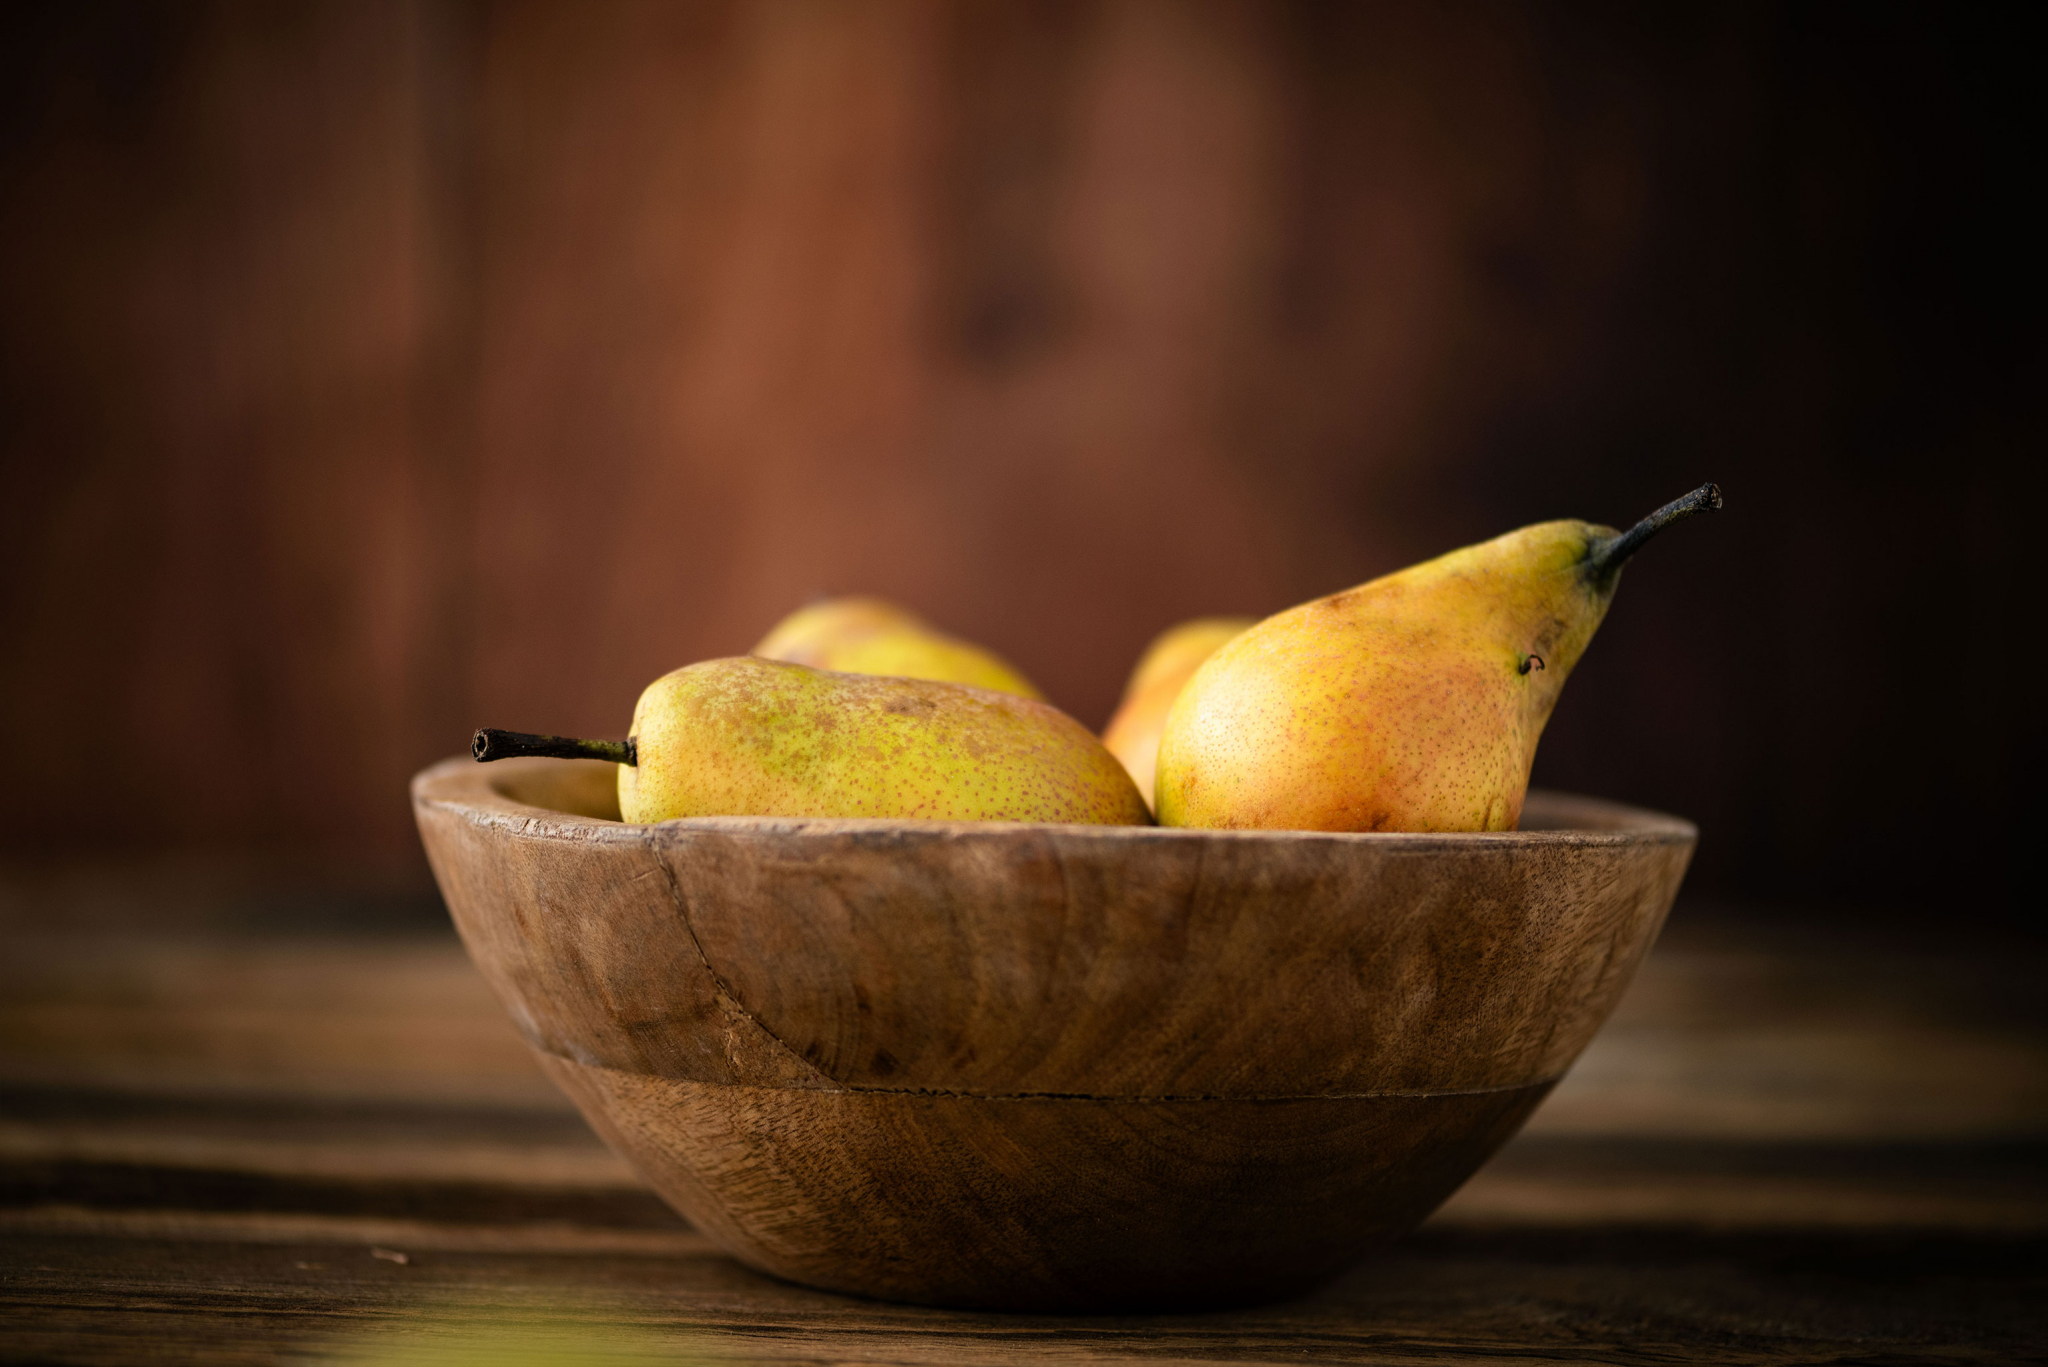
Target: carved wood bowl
column 1044, row 1067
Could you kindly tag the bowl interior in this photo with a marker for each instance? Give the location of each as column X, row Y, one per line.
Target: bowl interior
column 577, row 787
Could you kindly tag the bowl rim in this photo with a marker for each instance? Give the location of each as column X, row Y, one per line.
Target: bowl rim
column 478, row 793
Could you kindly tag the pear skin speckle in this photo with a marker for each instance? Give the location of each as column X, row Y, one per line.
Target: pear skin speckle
column 1400, row 705
column 754, row 737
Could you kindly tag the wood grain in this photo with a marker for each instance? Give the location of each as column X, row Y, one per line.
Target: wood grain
column 232, row 1217
column 270, row 1289
column 1037, row 1032
column 1045, row 1203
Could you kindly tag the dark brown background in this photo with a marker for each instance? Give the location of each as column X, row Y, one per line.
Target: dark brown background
column 372, row 371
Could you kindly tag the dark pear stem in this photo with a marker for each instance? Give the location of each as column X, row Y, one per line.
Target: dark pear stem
column 1606, row 557
column 489, row 743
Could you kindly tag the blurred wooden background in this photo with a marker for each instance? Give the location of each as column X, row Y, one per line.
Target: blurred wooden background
column 372, row 371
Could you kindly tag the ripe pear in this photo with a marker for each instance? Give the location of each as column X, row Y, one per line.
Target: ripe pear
column 1412, row 703
column 1133, row 733
column 873, row 636
column 753, row 737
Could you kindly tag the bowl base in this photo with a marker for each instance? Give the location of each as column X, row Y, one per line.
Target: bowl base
column 1045, row 1203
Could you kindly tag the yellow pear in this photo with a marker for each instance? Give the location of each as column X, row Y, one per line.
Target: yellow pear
column 1412, row 703
column 754, row 737
column 1133, row 733
column 873, row 636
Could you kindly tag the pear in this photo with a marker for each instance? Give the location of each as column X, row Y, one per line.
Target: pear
column 753, row 737
column 1412, row 703
column 873, row 636
column 1133, row 733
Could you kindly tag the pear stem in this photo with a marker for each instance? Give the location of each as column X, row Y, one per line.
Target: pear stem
column 489, row 743
column 1610, row 555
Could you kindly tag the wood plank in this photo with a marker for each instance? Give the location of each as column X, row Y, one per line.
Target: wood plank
column 1743, row 1027
column 1608, row 1296
column 1538, row 1182
column 299, row 1138
column 354, row 1017
column 1623, row 1251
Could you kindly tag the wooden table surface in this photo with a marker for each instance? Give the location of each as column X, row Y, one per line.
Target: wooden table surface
column 286, row 1138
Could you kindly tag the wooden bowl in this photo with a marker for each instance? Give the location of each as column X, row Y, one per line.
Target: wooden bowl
column 1044, row 1067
